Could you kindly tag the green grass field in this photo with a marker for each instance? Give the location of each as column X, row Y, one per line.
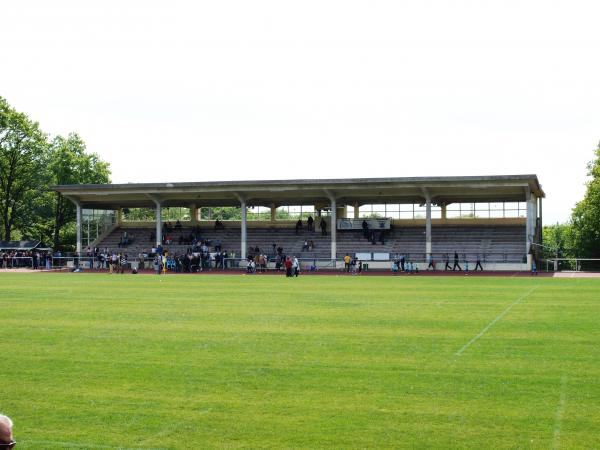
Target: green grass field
column 97, row 361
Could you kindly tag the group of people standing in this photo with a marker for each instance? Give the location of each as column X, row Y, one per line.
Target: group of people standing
column 310, row 225
column 456, row 264
column 401, row 264
column 291, row 265
column 370, row 234
column 17, row 259
column 352, row 265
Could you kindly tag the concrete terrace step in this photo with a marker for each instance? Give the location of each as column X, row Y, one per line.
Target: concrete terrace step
column 468, row 239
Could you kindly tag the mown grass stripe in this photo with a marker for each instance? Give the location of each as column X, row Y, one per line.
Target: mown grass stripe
column 64, row 444
column 559, row 412
column 498, row 317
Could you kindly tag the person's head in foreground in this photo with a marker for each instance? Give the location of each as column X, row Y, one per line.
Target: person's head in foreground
column 6, row 437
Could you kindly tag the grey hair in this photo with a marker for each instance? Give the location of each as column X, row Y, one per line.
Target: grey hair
column 6, row 420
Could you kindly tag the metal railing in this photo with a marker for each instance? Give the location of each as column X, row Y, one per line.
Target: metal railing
column 421, row 257
column 306, row 264
column 571, row 264
column 17, row 262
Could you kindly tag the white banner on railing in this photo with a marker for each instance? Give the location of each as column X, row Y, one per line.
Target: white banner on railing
column 357, row 224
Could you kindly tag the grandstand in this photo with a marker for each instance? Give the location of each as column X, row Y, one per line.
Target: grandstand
column 494, row 217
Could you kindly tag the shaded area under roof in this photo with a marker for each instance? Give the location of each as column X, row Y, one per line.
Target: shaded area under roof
column 350, row 191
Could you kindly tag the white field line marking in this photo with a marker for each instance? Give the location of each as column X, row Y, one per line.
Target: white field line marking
column 498, row 317
column 559, row 412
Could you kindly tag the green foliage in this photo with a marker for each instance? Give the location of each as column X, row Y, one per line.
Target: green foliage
column 23, row 174
column 586, row 214
column 244, row 362
column 70, row 164
column 373, row 215
column 581, row 236
column 139, row 214
column 559, row 238
column 149, row 214
column 29, row 166
column 227, row 213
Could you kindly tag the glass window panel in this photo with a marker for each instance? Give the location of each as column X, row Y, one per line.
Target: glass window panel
column 305, row 213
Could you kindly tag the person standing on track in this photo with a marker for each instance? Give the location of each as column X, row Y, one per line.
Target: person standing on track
column 478, row 263
column 456, row 262
column 347, row 263
column 430, row 261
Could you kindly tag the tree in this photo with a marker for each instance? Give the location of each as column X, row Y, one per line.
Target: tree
column 70, row 164
column 585, row 219
column 23, row 174
column 558, row 239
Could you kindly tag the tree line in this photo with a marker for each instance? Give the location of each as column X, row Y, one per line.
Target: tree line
column 580, row 236
column 32, row 161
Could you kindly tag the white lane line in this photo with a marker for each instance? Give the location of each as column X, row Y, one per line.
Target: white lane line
column 559, row 412
column 498, row 317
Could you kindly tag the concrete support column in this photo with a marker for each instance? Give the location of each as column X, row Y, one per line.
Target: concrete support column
column 119, row 216
column 273, row 212
column 443, row 212
column 244, row 230
column 194, row 214
column 78, row 215
column 333, row 227
column 541, row 220
column 530, row 219
column 428, row 226
column 158, row 222
column 356, row 211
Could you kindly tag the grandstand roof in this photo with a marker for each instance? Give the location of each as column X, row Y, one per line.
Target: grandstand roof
column 442, row 190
